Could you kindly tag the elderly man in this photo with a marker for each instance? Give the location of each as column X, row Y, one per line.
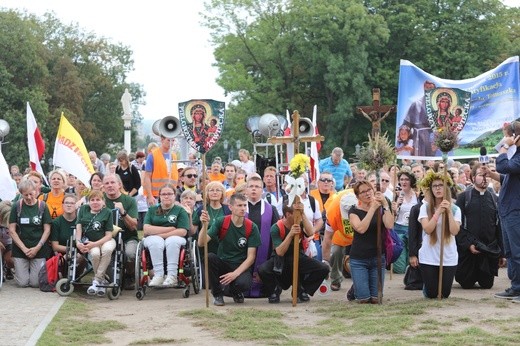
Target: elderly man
column 97, row 163
column 127, row 207
column 338, row 166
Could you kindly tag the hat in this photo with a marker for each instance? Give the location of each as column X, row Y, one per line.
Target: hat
column 181, row 166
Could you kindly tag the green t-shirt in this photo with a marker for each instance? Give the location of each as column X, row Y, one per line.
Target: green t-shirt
column 62, row 230
column 233, row 248
column 214, row 214
column 176, row 217
column 130, row 206
column 94, row 226
column 277, row 239
column 30, row 227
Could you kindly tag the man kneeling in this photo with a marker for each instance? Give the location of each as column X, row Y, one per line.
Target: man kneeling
column 276, row 273
column 238, row 239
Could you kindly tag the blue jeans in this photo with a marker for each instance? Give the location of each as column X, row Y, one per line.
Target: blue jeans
column 511, row 235
column 364, row 276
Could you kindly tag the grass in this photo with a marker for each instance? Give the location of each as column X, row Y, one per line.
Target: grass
column 72, row 325
column 159, row 341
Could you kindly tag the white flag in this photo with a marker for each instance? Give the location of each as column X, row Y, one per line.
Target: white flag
column 8, row 190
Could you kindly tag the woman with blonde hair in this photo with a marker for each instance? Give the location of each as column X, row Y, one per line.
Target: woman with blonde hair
column 214, row 194
column 54, row 198
column 438, row 203
column 129, row 174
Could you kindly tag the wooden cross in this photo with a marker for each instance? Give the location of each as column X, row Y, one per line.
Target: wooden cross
column 296, row 139
column 376, row 113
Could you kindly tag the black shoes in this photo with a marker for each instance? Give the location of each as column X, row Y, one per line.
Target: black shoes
column 303, row 297
column 9, row 274
column 274, row 298
column 238, row 298
column 219, row 301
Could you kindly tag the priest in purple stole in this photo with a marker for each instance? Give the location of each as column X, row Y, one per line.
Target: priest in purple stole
column 264, row 215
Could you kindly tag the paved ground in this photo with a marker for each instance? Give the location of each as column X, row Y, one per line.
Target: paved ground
column 25, row 313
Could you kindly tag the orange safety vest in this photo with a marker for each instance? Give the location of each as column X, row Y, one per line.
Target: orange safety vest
column 317, row 197
column 343, row 232
column 160, row 171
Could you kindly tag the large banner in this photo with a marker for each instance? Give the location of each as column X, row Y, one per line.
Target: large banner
column 202, row 122
column 494, row 100
column 70, row 152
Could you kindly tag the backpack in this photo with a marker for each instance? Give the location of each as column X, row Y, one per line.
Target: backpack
column 393, row 246
column 49, row 273
column 281, row 227
column 227, row 222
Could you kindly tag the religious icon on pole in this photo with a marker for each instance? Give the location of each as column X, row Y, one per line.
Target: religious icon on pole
column 202, row 123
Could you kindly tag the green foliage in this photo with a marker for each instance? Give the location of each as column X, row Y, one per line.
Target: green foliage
column 60, row 68
column 275, row 55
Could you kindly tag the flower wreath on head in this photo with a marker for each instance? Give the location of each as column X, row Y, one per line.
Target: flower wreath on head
column 295, row 183
column 430, row 176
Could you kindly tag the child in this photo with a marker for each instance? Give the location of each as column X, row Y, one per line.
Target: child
column 404, row 141
column 94, row 236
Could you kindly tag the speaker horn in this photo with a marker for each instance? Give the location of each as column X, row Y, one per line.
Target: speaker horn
column 269, row 125
column 155, row 127
column 169, row 127
column 306, row 127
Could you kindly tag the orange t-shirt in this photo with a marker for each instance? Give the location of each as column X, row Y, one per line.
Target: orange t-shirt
column 54, row 203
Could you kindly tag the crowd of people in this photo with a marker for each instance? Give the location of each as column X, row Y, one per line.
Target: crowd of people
column 451, row 216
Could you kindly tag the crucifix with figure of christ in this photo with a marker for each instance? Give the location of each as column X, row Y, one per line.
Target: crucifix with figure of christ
column 296, row 139
column 377, row 112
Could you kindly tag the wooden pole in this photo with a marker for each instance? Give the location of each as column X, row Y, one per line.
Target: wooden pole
column 379, row 247
column 206, row 270
column 297, row 215
column 443, row 228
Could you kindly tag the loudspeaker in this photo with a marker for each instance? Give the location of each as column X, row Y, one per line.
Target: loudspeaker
column 306, row 127
column 168, row 127
column 269, row 125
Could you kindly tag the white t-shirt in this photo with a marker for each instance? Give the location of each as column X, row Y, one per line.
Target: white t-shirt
column 248, row 166
column 429, row 254
column 404, row 211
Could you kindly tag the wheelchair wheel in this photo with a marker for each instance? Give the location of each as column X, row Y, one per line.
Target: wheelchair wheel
column 186, row 292
column 140, row 271
column 140, row 293
column 113, row 291
column 64, row 287
column 196, row 277
column 1, row 269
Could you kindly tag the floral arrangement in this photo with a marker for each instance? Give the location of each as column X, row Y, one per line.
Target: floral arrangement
column 295, row 183
column 445, row 138
column 377, row 153
column 426, row 182
column 299, row 165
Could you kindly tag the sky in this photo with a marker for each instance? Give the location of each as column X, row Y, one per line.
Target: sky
column 172, row 54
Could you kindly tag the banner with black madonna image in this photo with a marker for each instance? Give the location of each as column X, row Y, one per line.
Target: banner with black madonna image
column 202, row 122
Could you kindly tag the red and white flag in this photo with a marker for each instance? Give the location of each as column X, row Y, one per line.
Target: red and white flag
column 35, row 142
column 315, row 148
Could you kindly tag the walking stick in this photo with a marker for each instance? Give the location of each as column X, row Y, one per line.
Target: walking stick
column 379, row 247
column 445, row 226
column 296, row 253
column 205, row 226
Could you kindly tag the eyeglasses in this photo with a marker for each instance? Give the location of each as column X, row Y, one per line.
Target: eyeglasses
column 366, row 192
column 191, row 175
column 437, row 186
column 324, row 180
column 212, row 191
column 165, row 194
column 385, row 180
column 404, row 179
column 69, row 203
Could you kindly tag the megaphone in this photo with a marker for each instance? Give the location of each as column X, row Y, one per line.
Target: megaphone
column 269, row 125
column 155, row 127
column 169, row 127
column 306, row 127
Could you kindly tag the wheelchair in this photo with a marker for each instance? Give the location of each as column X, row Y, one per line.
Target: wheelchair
column 188, row 273
column 65, row 286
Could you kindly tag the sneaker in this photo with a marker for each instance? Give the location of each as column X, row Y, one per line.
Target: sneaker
column 9, row 274
column 101, row 291
column 508, row 294
column 156, row 281
column 92, row 290
column 516, row 300
column 303, row 297
column 219, row 301
column 238, row 298
column 335, row 287
column 170, row 281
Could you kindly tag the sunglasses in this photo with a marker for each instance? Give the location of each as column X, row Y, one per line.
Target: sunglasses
column 385, row 180
column 191, row 176
column 326, row 180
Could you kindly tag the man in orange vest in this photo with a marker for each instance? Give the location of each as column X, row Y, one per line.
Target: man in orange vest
column 323, row 195
column 160, row 169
